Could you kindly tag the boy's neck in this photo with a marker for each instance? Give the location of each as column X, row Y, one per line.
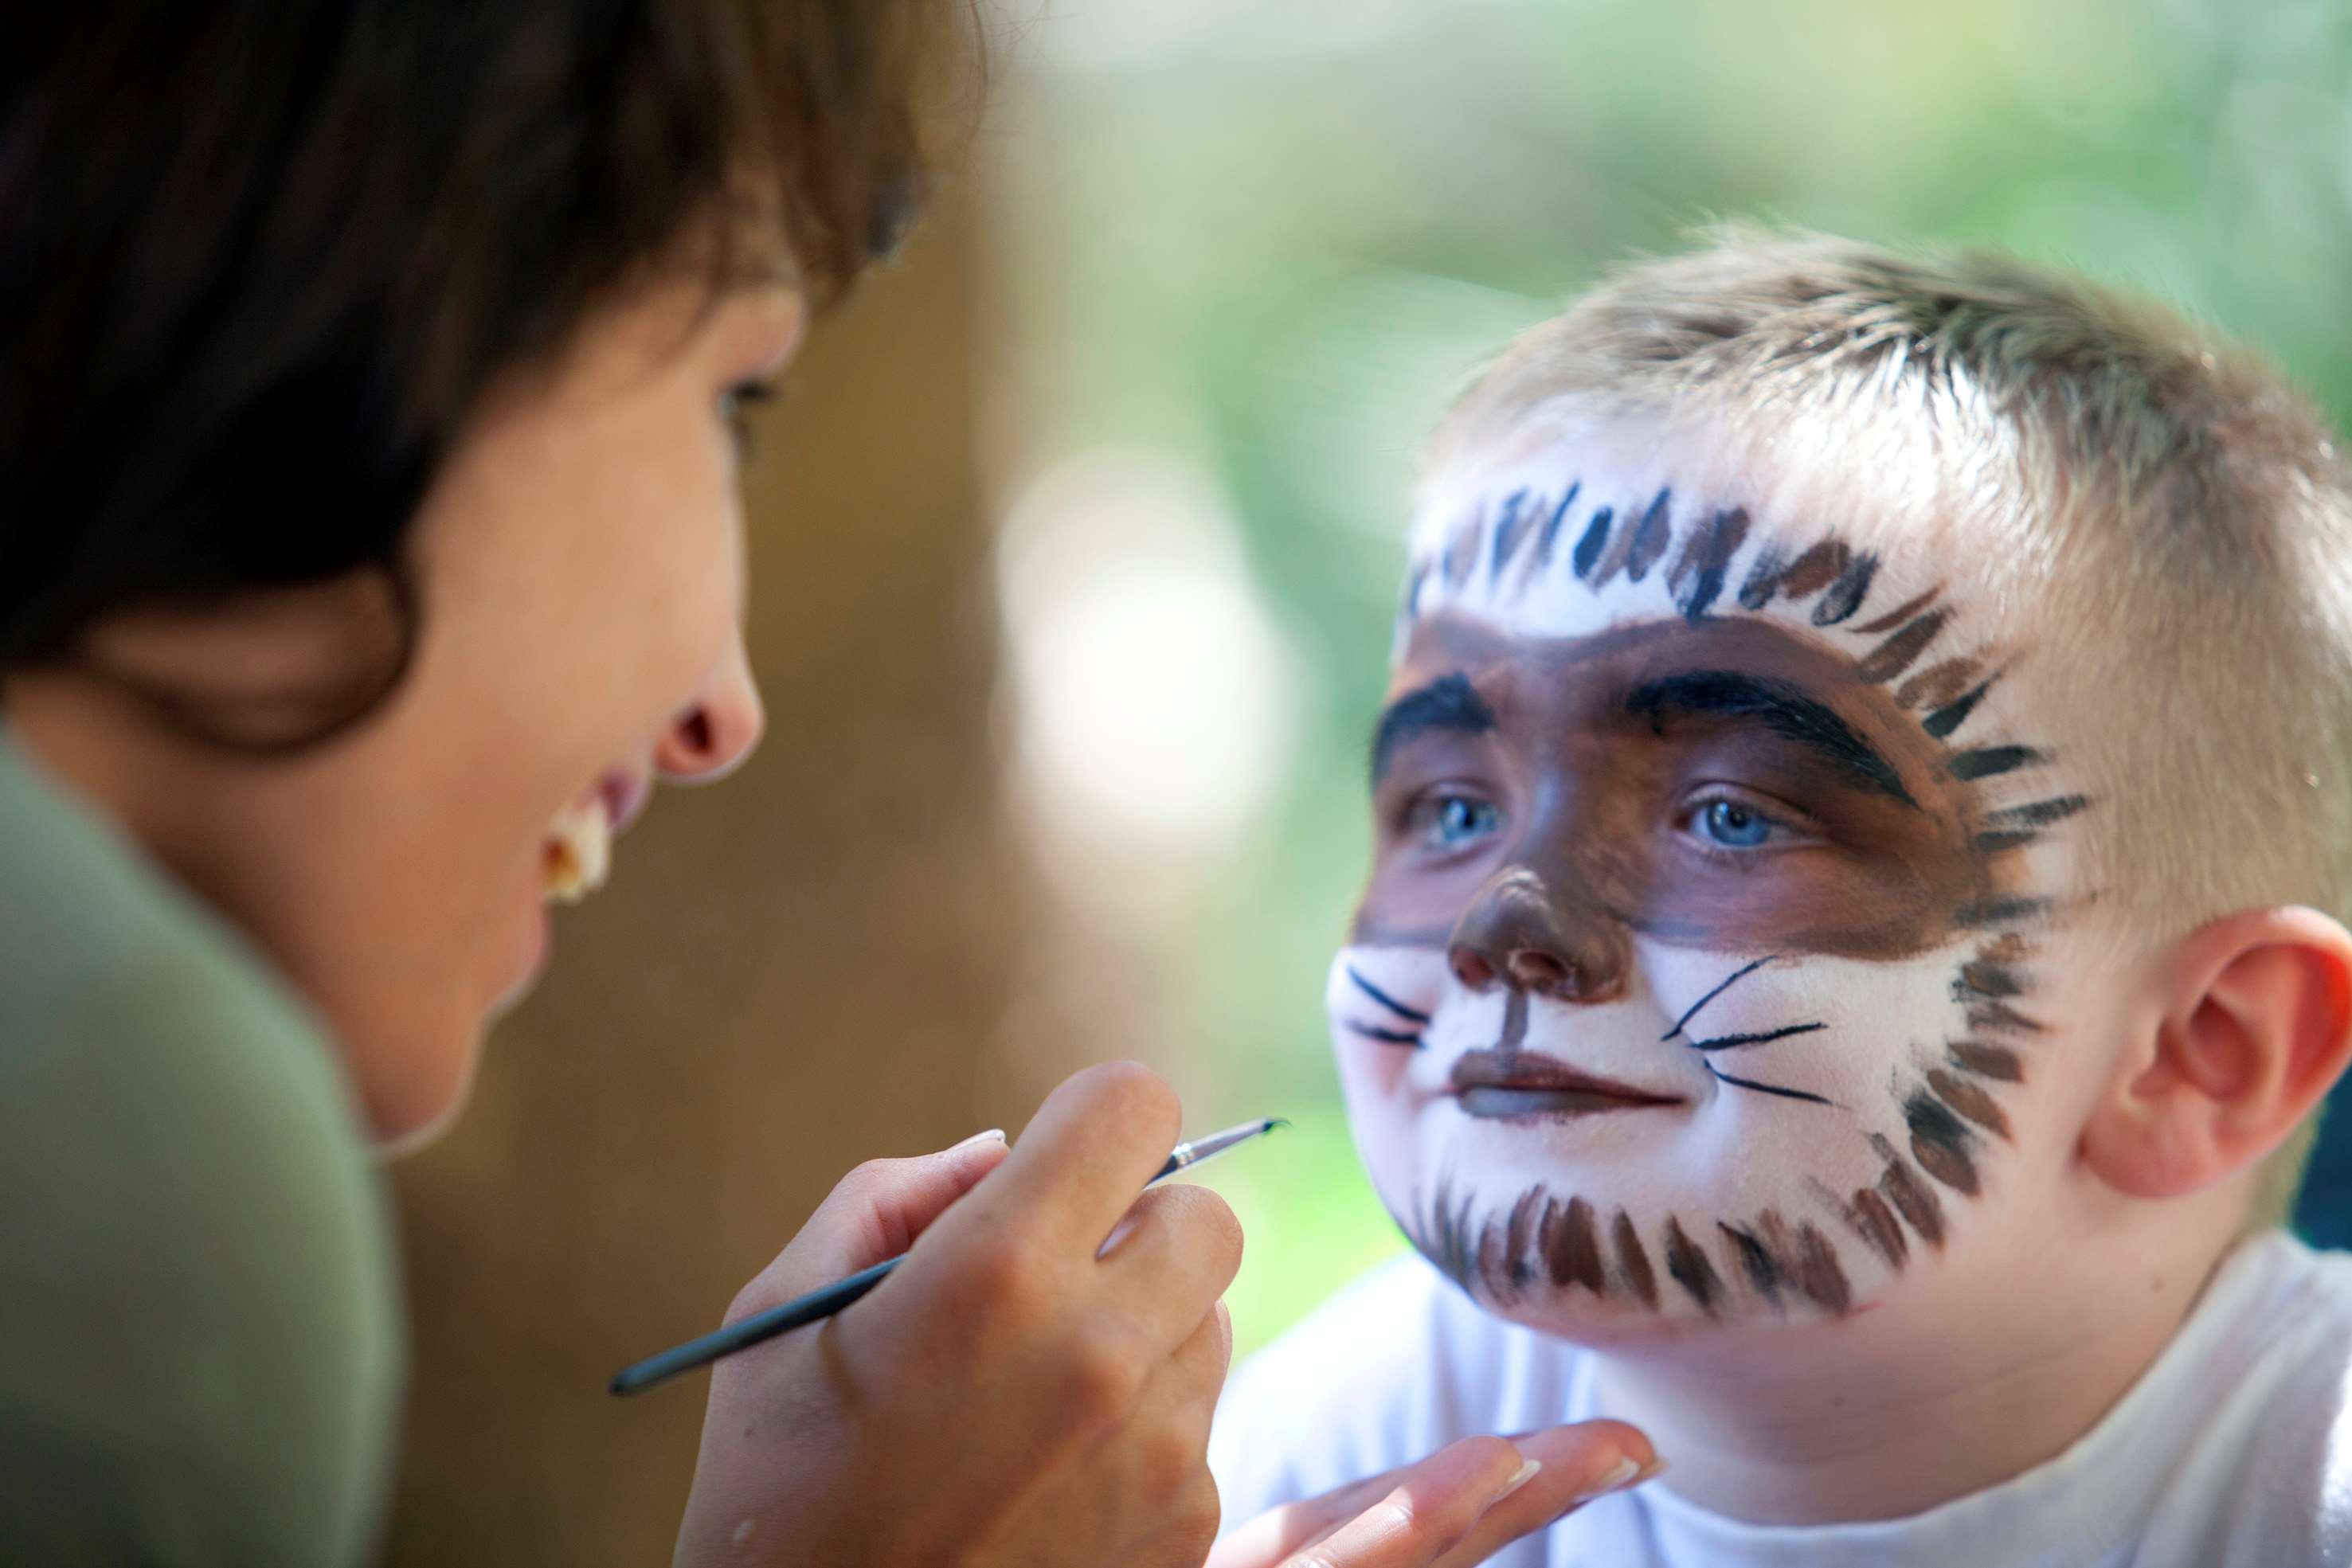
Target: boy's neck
column 1882, row 1419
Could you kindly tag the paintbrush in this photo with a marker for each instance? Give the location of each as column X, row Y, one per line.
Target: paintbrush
column 823, row 1304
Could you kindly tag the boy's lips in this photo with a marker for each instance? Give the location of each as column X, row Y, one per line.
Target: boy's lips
column 1495, row 1083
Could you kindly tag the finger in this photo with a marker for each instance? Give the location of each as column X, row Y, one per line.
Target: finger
column 1579, row 1463
column 1196, row 1371
column 1424, row 1510
column 1179, row 1398
column 1083, row 1157
column 1279, row 1532
column 875, row 1212
column 1176, row 1252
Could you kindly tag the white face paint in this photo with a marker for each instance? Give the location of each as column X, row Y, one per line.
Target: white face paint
column 1694, row 979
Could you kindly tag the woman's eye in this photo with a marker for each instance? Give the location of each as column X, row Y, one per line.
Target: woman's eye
column 1449, row 822
column 1734, row 826
column 735, row 406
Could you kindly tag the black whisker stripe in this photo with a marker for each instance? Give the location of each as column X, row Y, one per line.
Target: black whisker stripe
column 1989, row 761
column 1733, row 1041
column 1978, row 980
column 1755, row 1260
column 2002, row 843
column 1651, row 538
column 2035, row 814
column 1596, row 535
column 1769, row 1088
column 1549, row 538
column 1386, row 1000
column 1507, row 533
column 1388, row 1036
column 1941, row 722
column 2002, row 911
column 1763, row 577
column 1842, row 598
column 1740, row 974
column 1697, row 580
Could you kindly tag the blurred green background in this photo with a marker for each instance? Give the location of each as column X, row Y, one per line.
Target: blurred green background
column 1249, row 250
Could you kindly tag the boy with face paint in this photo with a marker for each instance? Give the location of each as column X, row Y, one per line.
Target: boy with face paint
column 1852, row 948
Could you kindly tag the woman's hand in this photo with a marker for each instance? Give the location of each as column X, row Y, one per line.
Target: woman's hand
column 1456, row 1508
column 1017, row 1392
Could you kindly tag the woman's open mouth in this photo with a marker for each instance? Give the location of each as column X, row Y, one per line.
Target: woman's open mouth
column 1500, row 1083
column 577, row 853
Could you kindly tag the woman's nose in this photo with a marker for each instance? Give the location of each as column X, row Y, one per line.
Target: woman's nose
column 712, row 736
column 1518, row 933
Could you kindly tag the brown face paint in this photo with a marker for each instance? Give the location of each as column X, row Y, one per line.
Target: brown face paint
column 1634, row 1261
column 1819, row 1274
column 1688, row 1267
column 1572, row 1246
column 1970, row 1101
column 1755, row 1260
column 1593, row 747
column 1910, row 1197
column 1994, row 1061
column 1594, row 787
column 1875, row 1224
column 1939, row 685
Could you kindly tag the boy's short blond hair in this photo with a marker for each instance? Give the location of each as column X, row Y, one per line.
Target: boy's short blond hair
column 2159, row 512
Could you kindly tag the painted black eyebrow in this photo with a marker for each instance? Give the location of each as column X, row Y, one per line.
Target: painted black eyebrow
column 1448, row 703
column 1780, row 707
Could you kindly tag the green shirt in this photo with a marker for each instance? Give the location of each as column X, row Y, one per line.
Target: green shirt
column 200, row 1333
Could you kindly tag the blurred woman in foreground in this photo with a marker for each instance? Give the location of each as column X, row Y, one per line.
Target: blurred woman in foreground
column 371, row 550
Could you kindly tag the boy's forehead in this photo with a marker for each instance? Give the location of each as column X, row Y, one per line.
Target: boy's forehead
column 1566, row 532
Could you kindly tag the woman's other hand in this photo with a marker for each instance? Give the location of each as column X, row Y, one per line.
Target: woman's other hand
column 1456, row 1508
column 1032, row 1387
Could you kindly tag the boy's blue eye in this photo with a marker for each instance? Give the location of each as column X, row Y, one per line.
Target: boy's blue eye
column 1733, row 825
column 1456, row 820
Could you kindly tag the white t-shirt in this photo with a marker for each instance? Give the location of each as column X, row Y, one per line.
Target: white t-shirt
column 2233, row 1450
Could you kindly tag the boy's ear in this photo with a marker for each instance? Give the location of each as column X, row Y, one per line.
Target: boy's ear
column 2255, row 1024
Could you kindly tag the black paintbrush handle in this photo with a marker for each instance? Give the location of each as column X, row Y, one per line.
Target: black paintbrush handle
column 796, row 1313
column 823, row 1304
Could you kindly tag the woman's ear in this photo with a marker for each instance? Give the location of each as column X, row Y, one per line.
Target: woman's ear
column 2254, row 1025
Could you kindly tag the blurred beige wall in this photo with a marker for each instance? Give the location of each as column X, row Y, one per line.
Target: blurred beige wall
column 806, row 965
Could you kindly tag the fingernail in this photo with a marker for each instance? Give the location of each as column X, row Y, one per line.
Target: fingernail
column 1620, row 1474
column 1520, row 1478
column 1647, row 1472
column 994, row 1135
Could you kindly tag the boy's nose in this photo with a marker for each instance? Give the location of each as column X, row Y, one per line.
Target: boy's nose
column 712, row 736
column 1518, row 933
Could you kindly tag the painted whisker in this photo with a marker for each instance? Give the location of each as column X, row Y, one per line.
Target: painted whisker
column 1726, row 984
column 1785, row 1093
column 1411, row 1040
column 1732, row 1042
column 1386, row 1000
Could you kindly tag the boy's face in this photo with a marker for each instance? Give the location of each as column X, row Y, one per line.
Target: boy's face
column 1694, row 976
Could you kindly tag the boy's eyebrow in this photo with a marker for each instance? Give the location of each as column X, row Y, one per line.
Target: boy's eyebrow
column 1448, row 703
column 1781, row 708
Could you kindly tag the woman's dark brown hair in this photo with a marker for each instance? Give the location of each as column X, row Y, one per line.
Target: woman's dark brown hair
column 260, row 257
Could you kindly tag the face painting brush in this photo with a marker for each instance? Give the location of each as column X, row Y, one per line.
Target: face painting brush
column 823, row 1304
